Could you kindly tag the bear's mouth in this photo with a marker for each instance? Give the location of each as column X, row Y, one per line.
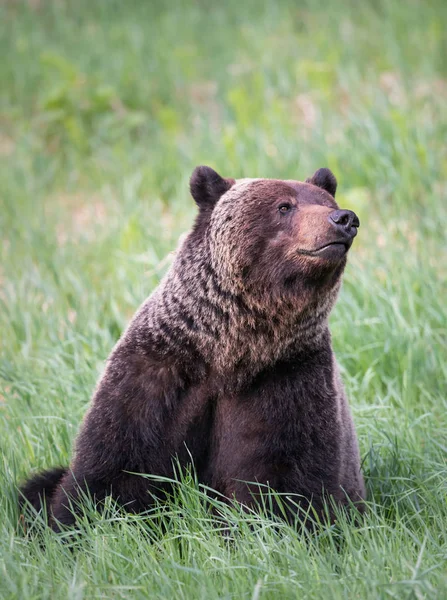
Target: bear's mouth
column 337, row 247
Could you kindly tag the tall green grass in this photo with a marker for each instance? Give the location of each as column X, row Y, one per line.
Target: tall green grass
column 106, row 107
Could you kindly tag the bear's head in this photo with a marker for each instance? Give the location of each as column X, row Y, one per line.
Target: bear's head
column 286, row 240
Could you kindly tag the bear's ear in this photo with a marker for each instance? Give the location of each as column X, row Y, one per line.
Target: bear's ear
column 207, row 186
column 325, row 179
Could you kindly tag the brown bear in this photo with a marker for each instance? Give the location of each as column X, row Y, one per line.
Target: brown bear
column 229, row 362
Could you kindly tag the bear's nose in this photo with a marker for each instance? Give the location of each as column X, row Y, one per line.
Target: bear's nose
column 346, row 221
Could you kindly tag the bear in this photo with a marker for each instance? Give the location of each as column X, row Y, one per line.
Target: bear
column 228, row 364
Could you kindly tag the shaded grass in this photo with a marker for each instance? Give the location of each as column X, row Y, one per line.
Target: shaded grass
column 106, row 108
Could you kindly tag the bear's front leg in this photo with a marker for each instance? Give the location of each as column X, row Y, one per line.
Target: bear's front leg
column 287, row 433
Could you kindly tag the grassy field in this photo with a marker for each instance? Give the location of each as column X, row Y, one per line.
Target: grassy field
column 106, row 107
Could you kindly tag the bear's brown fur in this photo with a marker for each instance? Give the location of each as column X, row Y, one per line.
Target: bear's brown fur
column 229, row 361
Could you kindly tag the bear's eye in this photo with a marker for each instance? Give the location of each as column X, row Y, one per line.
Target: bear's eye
column 285, row 207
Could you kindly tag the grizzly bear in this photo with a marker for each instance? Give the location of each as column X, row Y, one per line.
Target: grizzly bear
column 228, row 364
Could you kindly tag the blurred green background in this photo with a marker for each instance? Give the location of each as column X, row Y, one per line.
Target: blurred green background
column 106, row 108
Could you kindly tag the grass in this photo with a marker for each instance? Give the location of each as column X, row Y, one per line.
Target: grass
column 106, row 107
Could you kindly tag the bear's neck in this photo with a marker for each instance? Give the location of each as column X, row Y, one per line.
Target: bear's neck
column 193, row 321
